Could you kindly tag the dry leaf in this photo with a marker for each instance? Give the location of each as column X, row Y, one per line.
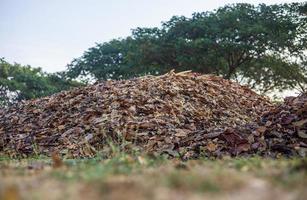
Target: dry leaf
column 61, row 127
column 56, row 160
column 181, row 132
column 300, row 123
column 302, row 133
column 211, row 147
column 261, row 129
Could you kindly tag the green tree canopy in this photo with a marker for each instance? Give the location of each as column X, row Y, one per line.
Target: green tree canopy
column 19, row 82
column 264, row 46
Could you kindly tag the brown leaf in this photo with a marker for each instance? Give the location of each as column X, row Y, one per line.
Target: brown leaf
column 302, row 133
column 287, row 119
column 181, row 132
column 243, row 147
column 56, row 159
column 146, row 125
column 268, row 123
column 261, row 129
column 300, row 123
column 132, row 109
column 61, row 127
column 211, row 146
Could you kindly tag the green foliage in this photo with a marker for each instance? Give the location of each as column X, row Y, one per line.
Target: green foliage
column 264, row 46
column 19, row 82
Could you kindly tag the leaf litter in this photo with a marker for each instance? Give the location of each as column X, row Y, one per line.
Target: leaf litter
column 179, row 114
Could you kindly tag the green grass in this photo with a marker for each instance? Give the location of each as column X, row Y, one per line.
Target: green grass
column 97, row 168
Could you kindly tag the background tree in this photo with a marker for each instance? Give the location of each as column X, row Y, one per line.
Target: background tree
column 19, row 82
column 263, row 46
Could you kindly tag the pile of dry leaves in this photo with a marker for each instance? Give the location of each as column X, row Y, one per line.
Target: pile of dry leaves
column 282, row 130
column 285, row 126
column 183, row 114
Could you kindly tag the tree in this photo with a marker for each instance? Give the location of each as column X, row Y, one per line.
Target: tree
column 104, row 61
column 237, row 35
column 264, row 46
column 19, row 82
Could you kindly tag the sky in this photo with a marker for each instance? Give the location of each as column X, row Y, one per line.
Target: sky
column 50, row 33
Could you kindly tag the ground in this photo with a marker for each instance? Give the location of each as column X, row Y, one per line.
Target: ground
column 142, row 177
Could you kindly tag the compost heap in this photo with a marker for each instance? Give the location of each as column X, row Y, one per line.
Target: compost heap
column 184, row 114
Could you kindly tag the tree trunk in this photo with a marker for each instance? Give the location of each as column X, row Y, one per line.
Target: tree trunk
column 231, row 70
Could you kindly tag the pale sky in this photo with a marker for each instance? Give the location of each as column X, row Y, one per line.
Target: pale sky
column 50, row 33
